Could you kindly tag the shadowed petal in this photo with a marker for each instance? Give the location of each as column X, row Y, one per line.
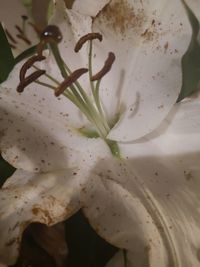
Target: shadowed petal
column 25, row 198
column 152, row 203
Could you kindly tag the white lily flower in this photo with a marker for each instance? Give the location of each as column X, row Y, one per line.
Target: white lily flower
column 146, row 201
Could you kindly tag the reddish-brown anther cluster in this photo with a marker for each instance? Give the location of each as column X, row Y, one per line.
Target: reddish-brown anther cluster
column 25, row 81
column 50, row 34
column 109, row 61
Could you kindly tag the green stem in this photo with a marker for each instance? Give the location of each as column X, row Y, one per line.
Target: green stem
column 114, row 148
column 98, row 104
column 90, row 116
column 95, row 92
column 76, row 94
column 24, row 27
column 48, row 76
column 90, row 67
column 84, row 102
column 58, row 59
column 97, row 120
column 45, row 84
column 81, row 97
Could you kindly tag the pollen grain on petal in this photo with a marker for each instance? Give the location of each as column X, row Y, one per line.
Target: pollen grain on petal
column 87, row 37
column 70, row 80
column 106, row 68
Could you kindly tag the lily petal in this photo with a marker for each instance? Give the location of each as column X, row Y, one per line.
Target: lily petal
column 148, row 39
column 147, row 204
column 88, row 7
column 46, row 198
column 152, row 198
column 11, row 13
column 36, row 130
column 117, row 260
column 194, row 5
column 125, row 220
column 151, row 207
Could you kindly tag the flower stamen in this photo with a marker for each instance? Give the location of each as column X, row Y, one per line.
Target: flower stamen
column 106, row 68
column 25, row 81
column 21, row 35
column 28, row 64
column 24, row 20
column 24, row 38
column 87, row 37
column 70, row 80
column 28, row 80
column 89, row 105
column 19, row 29
column 12, row 39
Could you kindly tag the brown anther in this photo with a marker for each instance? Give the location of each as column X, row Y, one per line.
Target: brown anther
column 70, row 80
column 12, row 39
column 28, row 64
column 19, row 29
column 24, row 17
column 24, row 38
column 31, row 78
column 106, row 68
column 51, row 34
column 87, row 37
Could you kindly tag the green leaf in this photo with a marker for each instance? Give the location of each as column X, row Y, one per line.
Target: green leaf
column 6, row 56
column 25, row 54
column 191, row 59
column 6, row 170
column 82, row 240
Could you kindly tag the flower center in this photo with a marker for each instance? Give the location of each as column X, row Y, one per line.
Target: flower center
column 90, row 105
